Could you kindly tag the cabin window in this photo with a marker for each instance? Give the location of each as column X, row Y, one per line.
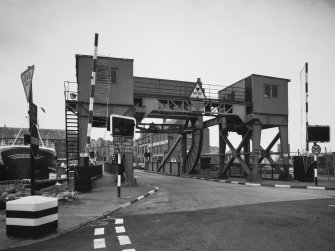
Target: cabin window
column 270, row 91
column 106, row 75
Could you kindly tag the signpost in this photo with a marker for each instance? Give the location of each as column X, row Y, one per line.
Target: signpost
column 27, row 78
column 316, row 150
column 122, row 130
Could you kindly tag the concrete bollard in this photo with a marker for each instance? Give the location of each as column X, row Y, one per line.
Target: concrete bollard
column 31, row 216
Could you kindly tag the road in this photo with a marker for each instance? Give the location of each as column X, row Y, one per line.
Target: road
column 192, row 214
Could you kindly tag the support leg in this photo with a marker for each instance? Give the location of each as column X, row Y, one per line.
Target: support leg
column 222, row 150
column 184, row 151
column 246, row 149
column 283, row 130
column 256, row 141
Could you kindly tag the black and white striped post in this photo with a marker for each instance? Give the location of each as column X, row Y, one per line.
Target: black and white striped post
column 90, row 108
column 91, row 102
column 119, row 162
column 306, row 92
column 315, row 169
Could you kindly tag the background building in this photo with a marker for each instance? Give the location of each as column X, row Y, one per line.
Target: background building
column 158, row 146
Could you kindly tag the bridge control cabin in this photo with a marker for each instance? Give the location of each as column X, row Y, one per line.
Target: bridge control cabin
column 262, row 97
column 262, row 102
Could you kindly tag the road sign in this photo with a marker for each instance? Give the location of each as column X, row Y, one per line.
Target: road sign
column 197, row 106
column 122, row 125
column 197, row 91
column 316, row 149
column 123, row 144
column 27, row 78
column 318, row 133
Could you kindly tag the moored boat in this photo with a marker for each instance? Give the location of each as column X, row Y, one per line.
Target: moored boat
column 15, row 162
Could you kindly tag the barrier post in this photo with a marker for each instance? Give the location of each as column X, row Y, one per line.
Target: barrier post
column 119, row 175
column 316, row 170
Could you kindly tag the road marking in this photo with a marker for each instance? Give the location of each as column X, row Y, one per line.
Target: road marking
column 99, row 243
column 118, row 221
column 319, row 188
column 331, row 205
column 124, row 240
column 99, row 231
column 120, row 229
column 283, row 186
column 129, row 249
column 253, row 184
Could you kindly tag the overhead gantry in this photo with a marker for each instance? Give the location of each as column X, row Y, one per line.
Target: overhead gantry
column 246, row 107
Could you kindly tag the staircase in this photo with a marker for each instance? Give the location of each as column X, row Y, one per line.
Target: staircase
column 72, row 132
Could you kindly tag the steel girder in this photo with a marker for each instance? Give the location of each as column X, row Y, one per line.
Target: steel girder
column 235, row 153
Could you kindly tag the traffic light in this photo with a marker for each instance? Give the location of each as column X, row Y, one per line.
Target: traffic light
column 122, row 125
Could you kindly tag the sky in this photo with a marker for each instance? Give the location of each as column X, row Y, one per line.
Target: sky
column 217, row 40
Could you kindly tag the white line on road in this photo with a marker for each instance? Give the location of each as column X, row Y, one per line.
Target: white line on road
column 331, row 205
column 124, row 240
column 283, row 186
column 99, row 243
column 120, row 229
column 118, row 221
column 129, row 249
column 99, row 231
column 319, row 188
column 253, row 184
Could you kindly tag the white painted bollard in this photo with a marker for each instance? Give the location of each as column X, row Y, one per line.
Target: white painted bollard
column 31, row 216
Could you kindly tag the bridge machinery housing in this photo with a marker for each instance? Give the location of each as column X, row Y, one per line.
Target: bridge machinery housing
column 245, row 107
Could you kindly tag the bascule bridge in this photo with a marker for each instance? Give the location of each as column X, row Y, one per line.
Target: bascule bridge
column 245, row 107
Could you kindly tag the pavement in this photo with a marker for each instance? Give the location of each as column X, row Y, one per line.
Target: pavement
column 101, row 200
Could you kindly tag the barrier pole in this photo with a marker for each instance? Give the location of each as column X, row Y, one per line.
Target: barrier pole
column 316, row 170
column 119, row 175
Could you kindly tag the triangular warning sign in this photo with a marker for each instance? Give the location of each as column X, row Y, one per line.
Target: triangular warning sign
column 197, row 92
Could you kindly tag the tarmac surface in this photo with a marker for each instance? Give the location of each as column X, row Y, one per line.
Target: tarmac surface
column 103, row 199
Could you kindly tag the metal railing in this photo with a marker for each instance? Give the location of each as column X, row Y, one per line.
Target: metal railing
column 183, row 90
